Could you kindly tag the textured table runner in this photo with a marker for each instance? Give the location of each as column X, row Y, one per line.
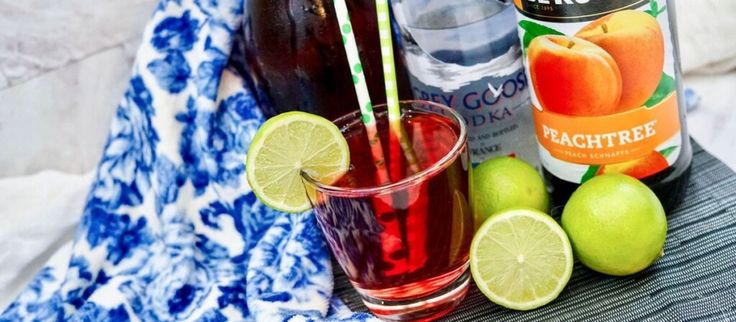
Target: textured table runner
column 695, row 280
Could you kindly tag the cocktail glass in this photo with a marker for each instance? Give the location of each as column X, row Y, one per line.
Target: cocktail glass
column 403, row 245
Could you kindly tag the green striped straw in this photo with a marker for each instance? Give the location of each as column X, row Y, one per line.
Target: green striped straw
column 387, row 56
column 389, row 77
column 361, row 89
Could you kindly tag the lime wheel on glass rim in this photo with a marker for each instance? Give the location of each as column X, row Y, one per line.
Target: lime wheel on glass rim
column 287, row 145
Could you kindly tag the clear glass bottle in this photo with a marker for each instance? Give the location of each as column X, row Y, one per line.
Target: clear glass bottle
column 466, row 54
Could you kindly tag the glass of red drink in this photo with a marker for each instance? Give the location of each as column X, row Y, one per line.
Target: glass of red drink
column 404, row 244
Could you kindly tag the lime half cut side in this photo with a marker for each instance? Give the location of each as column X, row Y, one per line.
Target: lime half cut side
column 288, row 144
column 521, row 259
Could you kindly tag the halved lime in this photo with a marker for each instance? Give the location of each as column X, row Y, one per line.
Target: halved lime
column 521, row 259
column 288, row 144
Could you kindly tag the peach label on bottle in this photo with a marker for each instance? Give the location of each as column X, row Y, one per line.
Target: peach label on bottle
column 613, row 139
column 603, row 86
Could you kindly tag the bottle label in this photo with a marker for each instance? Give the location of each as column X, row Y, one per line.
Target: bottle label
column 603, row 86
column 496, row 112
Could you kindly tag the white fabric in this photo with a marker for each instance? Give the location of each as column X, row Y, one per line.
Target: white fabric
column 707, row 34
column 38, row 216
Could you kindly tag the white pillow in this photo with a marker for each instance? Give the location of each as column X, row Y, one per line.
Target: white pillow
column 707, row 33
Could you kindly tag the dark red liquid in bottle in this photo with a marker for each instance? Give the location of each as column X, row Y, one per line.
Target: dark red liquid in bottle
column 297, row 60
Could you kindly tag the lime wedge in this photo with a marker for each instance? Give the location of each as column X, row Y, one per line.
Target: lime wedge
column 521, row 259
column 288, row 144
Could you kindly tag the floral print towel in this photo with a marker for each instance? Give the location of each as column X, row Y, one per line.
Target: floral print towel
column 171, row 230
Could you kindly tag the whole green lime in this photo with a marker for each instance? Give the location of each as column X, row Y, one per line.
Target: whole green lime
column 505, row 183
column 616, row 225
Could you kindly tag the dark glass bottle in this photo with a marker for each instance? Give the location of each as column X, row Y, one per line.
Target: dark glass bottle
column 297, row 60
column 618, row 108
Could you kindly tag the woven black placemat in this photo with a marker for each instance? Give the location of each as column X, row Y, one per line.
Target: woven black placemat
column 695, row 281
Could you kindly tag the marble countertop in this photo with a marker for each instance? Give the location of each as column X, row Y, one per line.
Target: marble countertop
column 64, row 67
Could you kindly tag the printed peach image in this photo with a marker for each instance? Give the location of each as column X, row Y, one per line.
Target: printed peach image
column 639, row 168
column 573, row 76
column 634, row 40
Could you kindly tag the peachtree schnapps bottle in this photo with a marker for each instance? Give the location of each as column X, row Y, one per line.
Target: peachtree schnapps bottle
column 466, row 54
column 606, row 91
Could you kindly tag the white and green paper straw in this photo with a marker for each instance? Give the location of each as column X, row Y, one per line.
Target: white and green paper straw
column 361, row 89
column 389, row 77
column 387, row 56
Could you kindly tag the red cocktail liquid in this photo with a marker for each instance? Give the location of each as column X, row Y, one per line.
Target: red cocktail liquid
column 408, row 240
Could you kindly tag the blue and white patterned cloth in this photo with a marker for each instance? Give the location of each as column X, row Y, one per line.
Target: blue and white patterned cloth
column 171, row 230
